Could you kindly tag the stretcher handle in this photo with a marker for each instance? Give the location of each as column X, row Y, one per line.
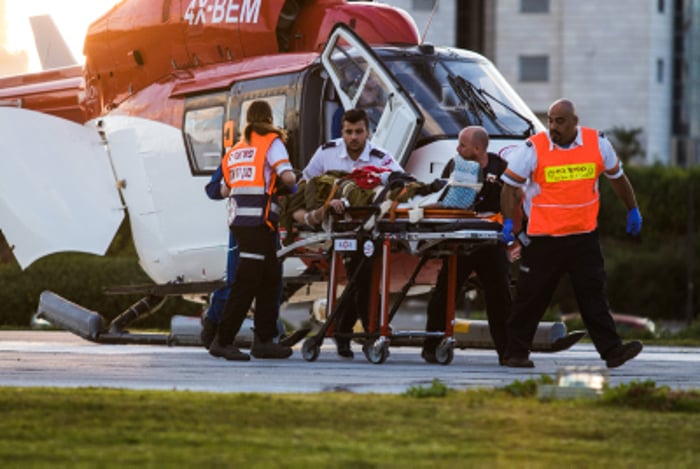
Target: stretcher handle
column 334, row 189
column 395, row 204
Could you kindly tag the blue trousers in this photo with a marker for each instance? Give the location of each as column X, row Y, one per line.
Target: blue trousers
column 218, row 297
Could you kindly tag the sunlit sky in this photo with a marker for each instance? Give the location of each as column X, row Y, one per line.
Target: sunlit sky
column 72, row 17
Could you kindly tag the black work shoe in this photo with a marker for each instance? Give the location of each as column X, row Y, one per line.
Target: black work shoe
column 206, row 336
column 229, row 352
column 515, row 362
column 269, row 349
column 344, row 349
column 428, row 355
column 622, row 353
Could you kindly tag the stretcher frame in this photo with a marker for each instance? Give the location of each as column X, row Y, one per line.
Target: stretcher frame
column 439, row 233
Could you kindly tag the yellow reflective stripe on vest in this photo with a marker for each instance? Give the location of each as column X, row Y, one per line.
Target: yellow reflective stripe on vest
column 570, row 172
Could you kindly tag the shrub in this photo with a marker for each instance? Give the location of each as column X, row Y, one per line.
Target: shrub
column 527, row 388
column 80, row 278
column 436, row 389
column 663, row 198
column 645, row 395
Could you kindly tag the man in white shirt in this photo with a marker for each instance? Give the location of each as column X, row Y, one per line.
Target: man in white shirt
column 352, row 151
column 558, row 170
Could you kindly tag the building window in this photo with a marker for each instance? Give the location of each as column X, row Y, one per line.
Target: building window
column 659, row 70
column 423, row 5
column 534, row 6
column 534, row 68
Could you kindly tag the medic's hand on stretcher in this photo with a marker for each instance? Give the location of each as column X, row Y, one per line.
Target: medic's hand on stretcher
column 507, row 231
column 283, row 189
column 513, row 247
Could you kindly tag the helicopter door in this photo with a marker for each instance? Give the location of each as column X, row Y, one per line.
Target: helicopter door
column 57, row 188
column 362, row 81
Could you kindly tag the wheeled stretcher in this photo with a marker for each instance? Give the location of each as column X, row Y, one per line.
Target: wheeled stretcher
column 438, row 233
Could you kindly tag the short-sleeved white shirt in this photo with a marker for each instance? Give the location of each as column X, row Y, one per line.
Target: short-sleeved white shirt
column 522, row 162
column 277, row 158
column 333, row 156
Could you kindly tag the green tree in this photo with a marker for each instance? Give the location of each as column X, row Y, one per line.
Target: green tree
column 626, row 142
column 5, row 251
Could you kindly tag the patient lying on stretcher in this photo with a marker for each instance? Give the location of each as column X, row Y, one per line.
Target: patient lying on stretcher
column 336, row 191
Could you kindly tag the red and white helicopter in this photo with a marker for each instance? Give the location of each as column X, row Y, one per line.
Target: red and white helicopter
column 139, row 129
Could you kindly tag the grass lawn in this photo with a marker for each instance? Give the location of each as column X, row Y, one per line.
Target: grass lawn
column 638, row 426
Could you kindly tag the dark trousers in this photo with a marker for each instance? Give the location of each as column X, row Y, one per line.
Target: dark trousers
column 544, row 262
column 259, row 276
column 356, row 302
column 491, row 267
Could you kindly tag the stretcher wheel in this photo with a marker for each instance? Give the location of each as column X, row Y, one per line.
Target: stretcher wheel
column 310, row 350
column 377, row 352
column 445, row 352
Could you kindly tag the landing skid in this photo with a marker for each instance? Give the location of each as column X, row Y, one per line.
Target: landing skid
column 462, row 343
column 91, row 325
column 550, row 336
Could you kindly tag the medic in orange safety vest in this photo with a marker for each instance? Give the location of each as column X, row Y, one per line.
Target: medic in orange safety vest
column 568, row 202
column 244, row 173
column 251, row 170
column 558, row 172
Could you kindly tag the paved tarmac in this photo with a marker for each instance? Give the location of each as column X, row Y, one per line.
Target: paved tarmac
column 61, row 359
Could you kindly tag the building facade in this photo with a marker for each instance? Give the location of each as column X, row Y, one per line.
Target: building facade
column 685, row 148
column 613, row 59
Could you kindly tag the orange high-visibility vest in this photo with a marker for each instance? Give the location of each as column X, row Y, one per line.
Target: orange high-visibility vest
column 569, row 200
column 244, row 172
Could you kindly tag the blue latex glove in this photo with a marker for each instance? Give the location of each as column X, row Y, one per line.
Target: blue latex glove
column 283, row 189
column 507, row 231
column 634, row 221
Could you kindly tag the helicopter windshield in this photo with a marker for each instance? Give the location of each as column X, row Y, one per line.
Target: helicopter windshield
column 453, row 93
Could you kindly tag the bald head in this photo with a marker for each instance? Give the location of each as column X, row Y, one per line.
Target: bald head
column 564, row 107
column 473, row 142
column 562, row 122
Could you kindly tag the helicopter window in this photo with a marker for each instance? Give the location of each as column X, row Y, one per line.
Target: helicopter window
column 203, row 130
column 363, row 86
column 455, row 93
column 278, row 105
column 350, row 73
